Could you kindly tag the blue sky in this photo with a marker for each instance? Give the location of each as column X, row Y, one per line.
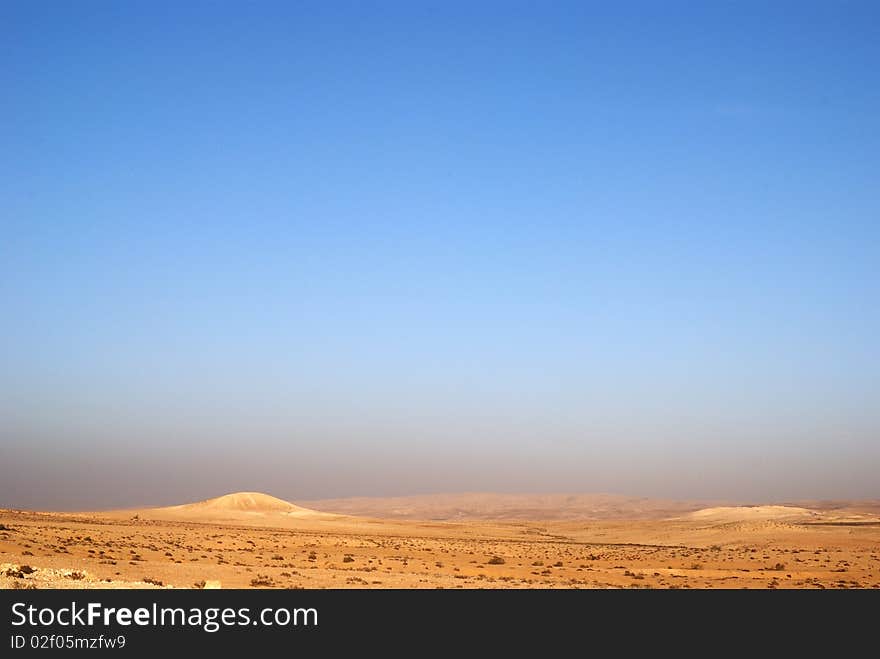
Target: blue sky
column 331, row 249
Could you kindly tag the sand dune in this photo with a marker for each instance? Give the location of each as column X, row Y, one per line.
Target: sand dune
column 238, row 506
column 751, row 513
column 242, row 501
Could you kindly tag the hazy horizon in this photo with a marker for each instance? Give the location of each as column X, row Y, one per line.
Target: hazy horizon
column 326, row 250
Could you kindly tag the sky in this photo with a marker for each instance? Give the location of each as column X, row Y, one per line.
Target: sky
column 329, row 249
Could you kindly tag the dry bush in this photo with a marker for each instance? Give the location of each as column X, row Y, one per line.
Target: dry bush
column 262, row 580
column 19, row 572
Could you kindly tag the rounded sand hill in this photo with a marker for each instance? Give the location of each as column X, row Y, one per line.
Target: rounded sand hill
column 750, row 513
column 238, row 505
column 255, row 502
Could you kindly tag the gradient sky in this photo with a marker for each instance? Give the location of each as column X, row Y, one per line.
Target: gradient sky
column 333, row 249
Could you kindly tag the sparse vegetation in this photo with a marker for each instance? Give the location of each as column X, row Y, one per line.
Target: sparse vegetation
column 262, row 581
column 322, row 556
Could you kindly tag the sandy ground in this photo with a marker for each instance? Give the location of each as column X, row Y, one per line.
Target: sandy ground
column 252, row 540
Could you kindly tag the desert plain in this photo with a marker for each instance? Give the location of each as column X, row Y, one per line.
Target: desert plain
column 253, row 540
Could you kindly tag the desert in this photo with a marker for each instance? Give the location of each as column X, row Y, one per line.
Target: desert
column 459, row 295
column 463, row 541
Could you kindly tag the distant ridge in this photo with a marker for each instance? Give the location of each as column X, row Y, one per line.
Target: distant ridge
column 505, row 506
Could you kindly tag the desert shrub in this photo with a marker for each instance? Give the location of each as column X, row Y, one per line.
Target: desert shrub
column 75, row 575
column 155, row 582
column 199, row 584
column 496, row 560
column 262, row 580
